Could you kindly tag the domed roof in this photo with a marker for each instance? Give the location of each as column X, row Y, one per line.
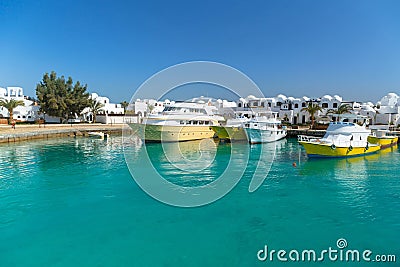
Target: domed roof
column 327, row 97
column 283, row 97
column 94, row 95
column 338, row 98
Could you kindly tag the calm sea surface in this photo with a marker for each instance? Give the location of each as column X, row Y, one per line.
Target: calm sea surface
column 73, row 202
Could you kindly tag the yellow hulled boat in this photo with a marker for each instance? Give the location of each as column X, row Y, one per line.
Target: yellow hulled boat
column 232, row 133
column 168, row 133
column 342, row 139
column 380, row 137
column 179, row 122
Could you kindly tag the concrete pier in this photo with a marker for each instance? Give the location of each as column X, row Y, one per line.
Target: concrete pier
column 31, row 132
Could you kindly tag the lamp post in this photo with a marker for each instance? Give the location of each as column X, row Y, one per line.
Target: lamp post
column 70, row 118
column 44, row 119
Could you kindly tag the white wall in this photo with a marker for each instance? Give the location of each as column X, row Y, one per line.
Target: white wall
column 116, row 119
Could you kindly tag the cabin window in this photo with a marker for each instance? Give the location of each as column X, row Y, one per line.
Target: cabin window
column 296, row 105
column 240, row 105
column 195, row 122
column 201, row 122
column 334, row 105
column 207, row 122
column 269, row 104
column 303, row 105
column 278, row 104
column 324, row 105
column 182, row 122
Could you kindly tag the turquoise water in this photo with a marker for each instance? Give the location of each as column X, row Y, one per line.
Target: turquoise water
column 69, row 202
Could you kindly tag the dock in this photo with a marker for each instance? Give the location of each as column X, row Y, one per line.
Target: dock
column 31, row 132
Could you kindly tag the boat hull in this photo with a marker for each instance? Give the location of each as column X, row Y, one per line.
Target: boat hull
column 166, row 133
column 384, row 142
column 325, row 150
column 231, row 133
column 264, row 136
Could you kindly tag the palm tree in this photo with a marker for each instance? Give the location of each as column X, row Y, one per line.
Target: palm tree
column 312, row 109
column 124, row 104
column 346, row 108
column 10, row 105
column 150, row 108
column 95, row 107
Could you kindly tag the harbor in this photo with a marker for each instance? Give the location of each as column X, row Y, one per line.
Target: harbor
column 200, row 133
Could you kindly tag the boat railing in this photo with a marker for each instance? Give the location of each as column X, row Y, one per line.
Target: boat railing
column 339, row 143
column 305, row 138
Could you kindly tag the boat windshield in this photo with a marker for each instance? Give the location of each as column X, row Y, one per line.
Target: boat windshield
column 184, row 110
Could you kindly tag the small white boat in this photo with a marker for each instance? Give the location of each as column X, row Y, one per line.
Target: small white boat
column 100, row 135
column 265, row 128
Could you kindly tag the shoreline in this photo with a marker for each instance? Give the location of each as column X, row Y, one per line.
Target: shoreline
column 35, row 132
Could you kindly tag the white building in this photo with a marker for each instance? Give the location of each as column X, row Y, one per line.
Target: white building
column 27, row 113
column 388, row 110
column 289, row 108
column 108, row 109
column 142, row 107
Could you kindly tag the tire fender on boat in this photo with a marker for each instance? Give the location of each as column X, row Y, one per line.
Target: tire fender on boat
column 333, row 146
column 366, row 147
column 350, row 148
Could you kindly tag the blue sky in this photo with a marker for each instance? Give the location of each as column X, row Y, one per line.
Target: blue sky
column 297, row 47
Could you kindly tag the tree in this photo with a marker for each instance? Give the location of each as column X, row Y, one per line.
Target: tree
column 346, row 108
column 124, row 104
column 95, row 107
column 312, row 109
column 59, row 97
column 10, row 105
